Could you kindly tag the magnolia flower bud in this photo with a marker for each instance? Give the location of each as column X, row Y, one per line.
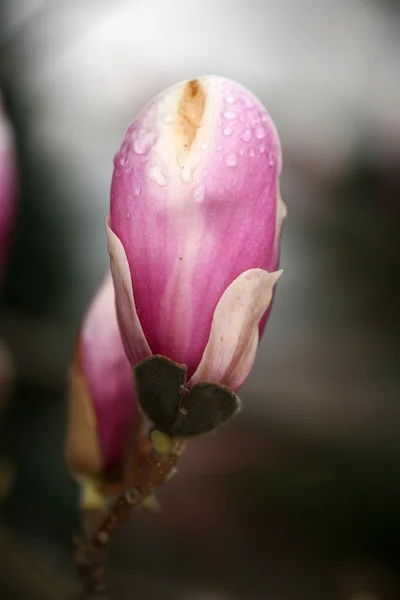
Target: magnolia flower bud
column 8, row 185
column 8, row 188
column 194, row 229
column 102, row 403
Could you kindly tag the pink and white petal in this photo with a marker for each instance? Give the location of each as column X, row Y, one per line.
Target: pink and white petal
column 133, row 338
column 281, row 216
column 8, row 185
column 231, row 348
column 107, row 375
column 194, row 211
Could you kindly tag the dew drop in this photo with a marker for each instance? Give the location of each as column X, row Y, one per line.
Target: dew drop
column 227, row 130
column 231, row 159
column 144, row 143
column 136, row 190
column 261, row 148
column 260, row 131
column 241, row 152
column 254, row 117
column 271, row 159
column 155, row 174
column 246, row 136
column 128, row 215
column 252, row 152
column 247, row 101
column 168, row 118
column 122, row 161
column 199, row 193
column 231, row 99
column 205, row 146
column 230, row 115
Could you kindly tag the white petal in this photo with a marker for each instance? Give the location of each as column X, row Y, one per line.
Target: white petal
column 232, row 345
column 281, row 215
column 134, row 340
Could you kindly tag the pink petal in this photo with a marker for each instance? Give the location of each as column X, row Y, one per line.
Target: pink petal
column 108, row 375
column 8, row 185
column 133, row 338
column 193, row 214
column 232, row 345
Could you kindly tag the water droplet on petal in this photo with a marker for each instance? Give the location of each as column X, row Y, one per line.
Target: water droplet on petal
column 231, row 159
column 122, row 161
column 246, row 136
column 205, row 146
column 254, row 117
column 230, row 115
column 252, row 152
column 231, row 99
column 261, row 148
column 155, row 174
column 136, row 190
column 128, row 215
column 144, row 142
column 271, row 159
column 168, row 118
column 241, row 152
column 199, row 193
column 260, row 131
column 247, row 101
column 227, row 130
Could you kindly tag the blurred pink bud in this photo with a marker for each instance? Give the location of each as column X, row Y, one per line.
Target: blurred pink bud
column 194, row 229
column 8, row 186
column 102, row 398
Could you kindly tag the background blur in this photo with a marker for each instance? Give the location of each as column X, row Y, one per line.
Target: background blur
column 300, row 497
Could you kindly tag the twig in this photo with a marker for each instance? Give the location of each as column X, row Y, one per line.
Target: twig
column 91, row 549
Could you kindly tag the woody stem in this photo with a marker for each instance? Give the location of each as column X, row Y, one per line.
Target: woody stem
column 91, row 549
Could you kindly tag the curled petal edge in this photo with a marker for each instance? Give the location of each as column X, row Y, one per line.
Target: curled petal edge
column 134, row 340
column 232, row 345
